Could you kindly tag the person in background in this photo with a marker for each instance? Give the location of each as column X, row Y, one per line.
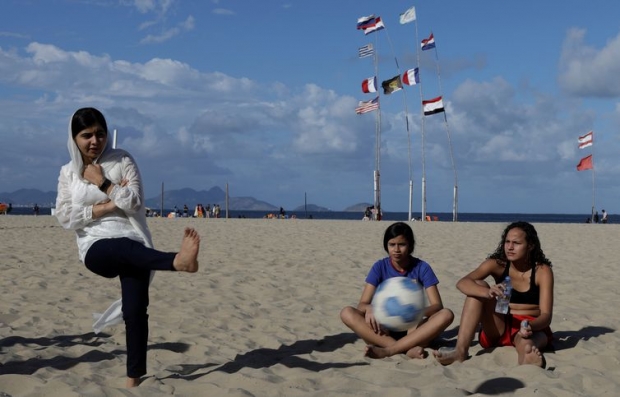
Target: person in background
column 604, row 216
column 36, row 210
column 100, row 197
column 399, row 243
column 596, row 219
column 526, row 326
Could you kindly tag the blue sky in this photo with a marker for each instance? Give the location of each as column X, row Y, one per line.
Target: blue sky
column 261, row 95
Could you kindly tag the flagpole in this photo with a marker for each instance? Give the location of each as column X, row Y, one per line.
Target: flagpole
column 422, row 124
column 445, row 117
column 377, row 173
column 410, row 204
column 593, row 188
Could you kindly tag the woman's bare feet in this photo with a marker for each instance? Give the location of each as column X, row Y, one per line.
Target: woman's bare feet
column 533, row 356
column 446, row 356
column 416, row 352
column 373, row 351
column 186, row 259
column 132, row 382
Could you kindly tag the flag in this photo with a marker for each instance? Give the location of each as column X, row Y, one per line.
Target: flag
column 411, row 77
column 364, row 22
column 392, row 85
column 377, row 25
column 369, row 85
column 367, row 106
column 365, row 51
column 586, row 140
column 429, row 43
column 407, row 16
column 433, row 106
column 585, row 163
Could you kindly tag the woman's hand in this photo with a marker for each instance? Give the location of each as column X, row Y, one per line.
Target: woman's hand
column 496, row 291
column 93, row 173
column 526, row 330
column 372, row 321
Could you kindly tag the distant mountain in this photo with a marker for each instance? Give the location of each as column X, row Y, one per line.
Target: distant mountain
column 360, row 207
column 311, row 207
column 29, row 197
column 179, row 197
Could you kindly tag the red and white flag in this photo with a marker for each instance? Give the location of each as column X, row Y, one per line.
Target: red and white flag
column 369, row 85
column 586, row 140
column 585, row 164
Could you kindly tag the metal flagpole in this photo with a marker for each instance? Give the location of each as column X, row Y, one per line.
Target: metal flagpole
column 407, row 126
column 445, row 117
column 377, row 172
column 422, row 124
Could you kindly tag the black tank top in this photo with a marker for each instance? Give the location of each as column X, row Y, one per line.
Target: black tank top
column 531, row 296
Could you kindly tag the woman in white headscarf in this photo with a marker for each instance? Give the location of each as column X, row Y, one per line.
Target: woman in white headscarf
column 100, row 197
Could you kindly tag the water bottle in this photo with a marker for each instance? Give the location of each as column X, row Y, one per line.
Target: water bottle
column 503, row 301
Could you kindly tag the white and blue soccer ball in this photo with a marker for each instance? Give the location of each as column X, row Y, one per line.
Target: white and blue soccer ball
column 399, row 303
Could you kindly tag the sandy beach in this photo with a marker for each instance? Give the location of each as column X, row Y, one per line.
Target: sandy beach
column 261, row 317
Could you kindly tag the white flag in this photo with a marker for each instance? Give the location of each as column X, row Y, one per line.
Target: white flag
column 407, row 16
column 586, row 140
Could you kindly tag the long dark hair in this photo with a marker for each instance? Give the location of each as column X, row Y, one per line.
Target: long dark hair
column 399, row 229
column 87, row 117
column 536, row 254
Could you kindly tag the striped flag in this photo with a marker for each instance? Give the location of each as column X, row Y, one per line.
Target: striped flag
column 433, row 106
column 586, row 140
column 366, row 51
column 411, row 77
column 429, row 43
column 364, row 22
column 373, row 27
column 367, row 106
column 369, row 85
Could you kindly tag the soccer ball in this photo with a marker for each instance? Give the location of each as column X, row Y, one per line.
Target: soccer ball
column 398, row 303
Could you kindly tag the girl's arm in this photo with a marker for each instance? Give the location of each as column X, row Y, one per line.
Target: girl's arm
column 434, row 301
column 365, row 307
column 70, row 215
column 128, row 195
column 544, row 277
column 473, row 283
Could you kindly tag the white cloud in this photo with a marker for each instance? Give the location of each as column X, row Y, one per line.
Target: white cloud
column 587, row 71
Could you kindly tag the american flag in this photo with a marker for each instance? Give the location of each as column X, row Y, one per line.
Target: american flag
column 367, row 106
column 366, row 51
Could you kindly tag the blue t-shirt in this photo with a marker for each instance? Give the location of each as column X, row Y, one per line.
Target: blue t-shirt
column 420, row 271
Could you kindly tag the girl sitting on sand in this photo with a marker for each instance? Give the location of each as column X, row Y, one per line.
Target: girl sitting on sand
column 399, row 243
column 100, row 197
column 520, row 256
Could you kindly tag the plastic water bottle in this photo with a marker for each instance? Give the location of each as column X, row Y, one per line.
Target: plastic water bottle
column 503, row 301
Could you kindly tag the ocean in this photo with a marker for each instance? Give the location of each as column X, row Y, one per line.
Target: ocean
column 387, row 216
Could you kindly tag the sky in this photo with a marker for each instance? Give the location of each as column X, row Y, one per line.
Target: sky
column 261, row 96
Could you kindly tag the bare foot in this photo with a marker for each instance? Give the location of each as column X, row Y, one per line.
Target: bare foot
column 132, row 382
column 533, row 356
column 376, row 352
column 186, row 259
column 446, row 356
column 416, row 352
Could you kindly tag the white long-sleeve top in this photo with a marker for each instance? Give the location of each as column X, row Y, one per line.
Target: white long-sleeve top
column 74, row 209
column 76, row 197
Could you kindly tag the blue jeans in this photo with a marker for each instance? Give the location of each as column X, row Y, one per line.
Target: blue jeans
column 132, row 262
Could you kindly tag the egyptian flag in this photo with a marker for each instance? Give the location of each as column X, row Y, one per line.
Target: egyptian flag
column 433, row 106
column 369, row 85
